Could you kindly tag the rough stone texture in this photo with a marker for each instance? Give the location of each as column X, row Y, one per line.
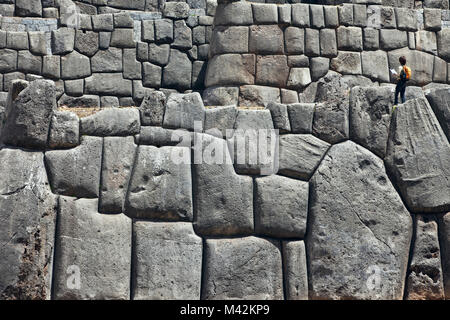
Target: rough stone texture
column 417, row 154
column 272, row 70
column 347, row 62
column 421, row 64
column 223, row 200
column 94, row 247
column 281, row 207
column 111, row 122
column 319, row 67
column 107, row 61
column 254, row 96
column 444, row 237
column 159, row 275
column 328, row 43
column 177, row 74
column 221, row 96
column 27, row 220
column 230, row 69
column 294, row 40
column 152, row 108
column 76, row 172
column 8, row 60
column 443, row 38
column 234, row 13
column 280, row 116
column 243, row 268
column 266, row 39
column 63, row 40
column 370, row 116
column 64, row 130
column 229, row 40
column 28, row 8
column 28, row 114
column 300, row 154
column 301, row 117
column 75, row 66
column 157, row 136
column 393, row 39
column 108, row 84
column 300, row 15
column 439, row 100
column 357, row 245
column 87, row 42
column 298, row 78
column 221, row 119
column 159, row 54
column 375, row 65
column 117, row 163
column 349, row 38
column 183, row 110
column 160, row 186
column 425, row 280
column 295, row 270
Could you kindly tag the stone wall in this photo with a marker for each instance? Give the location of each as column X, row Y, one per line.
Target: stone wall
column 290, row 47
column 154, row 203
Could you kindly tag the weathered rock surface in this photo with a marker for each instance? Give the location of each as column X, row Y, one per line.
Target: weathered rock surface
column 152, row 108
column 439, row 100
column 220, row 119
column 280, row 116
column 27, row 220
column 243, row 268
column 417, row 157
column 160, row 186
column 223, row 199
column 28, row 114
column 159, row 275
column 112, row 122
column 444, row 237
column 370, row 116
column 301, row 117
column 425, row 280
column 281, row 207
column 64, row 130
column 183, row 111
column 76, row 172
column 230, row 69
column 300, row 154
column 92, row 254
column 295, row 270
column 357, row 245
column 157, row 136
column 117, row 163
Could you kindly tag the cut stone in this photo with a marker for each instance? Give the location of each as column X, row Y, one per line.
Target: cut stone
column 295, row 270
column 112, row 122
column 183, row 111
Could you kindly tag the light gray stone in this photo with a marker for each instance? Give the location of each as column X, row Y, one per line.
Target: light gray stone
column 242, row 268
column 152, row 75
column 29, row 63
column 280, row 116
column 96, row 248
column 319, row 67
column 164, row 30
column 416, row 153
column 300, row 15
column 301, row 117
column 158, row 275
column 347, row 62
column 220, row 119
column 111, row 122
column 8, row 60
column 104, row 39
column 74, row 87
column 233, row 13
column 346, row 14
column 51, row 67
column 182, row 35
column 152, row 108
column 406, row 19
column 123, row 38
column 284, row 13
column 443, row 38
column 295, row 270
column 38, row 42
column 221, row 96
column 439, row 70
column 432, row 19
column 444, row 238
column 312, row 42
column 258, row 96
column 393, row 39
column 353, row 236
column 349, row 38
column 76, row 172
column 28, row 8
column 87, row 42
column 63, row 40
column 265, row 13
column 103, row 22
column 289, row 96
column 298, row 61
column 266, row 39
column 224, row 200
column 272, row 70
column 161, row 137
column 328, row 43
column 232, row 39
column 371, row 39
column 294, row 40
column 281, row 207
column 426, row 41
column 27, row 219
column 75, row 66
column 331, row 16
column 183, row 110
column 439, row 100
column 317, row 16
column 177, row 74
column 64, row 130
column 298, row 78
column 421, row 64
column 176, row 10
column 375, row 65
column 108, row 84
column 230, row 69
column 160, row 186
column 18, row 40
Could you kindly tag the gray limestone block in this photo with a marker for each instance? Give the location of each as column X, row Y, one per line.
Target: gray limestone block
column 103, row 22
column 28, row 113
column 164, row 30
column 349, row 38
column 108, row 101
column 27, row 220
column 294, row 40
column 300, row 154
column 160, row 186
column 64, row 130
column 439, row 70
column 152, row 108
column 84, row 101
column 272, row 70
column 29, row 63
column 234, row 13
column 432, row 19
column 51, row 67
column 331, row 16
column 317, row 16
column 232, row 39
column 328, row 43
column 387, row 18
column 117, row 164
column 319, row 67
column 360, row 15
column 444, row 238
column 426, row 41
column 92, row 254
column 258, row 96
column 295, row 270
column 284, row 13
column 28, row 8
column 393, row 39
column 242, row 268
column 425, row 280
column 123, row 38
column 280, row 117
column 3, row 35
column 176, row 10
column 127, row 4
column 132, row 69
column 299, row 78
column 123, row 20
column 439, row 101
column 417, row 154
column 265, row 13
column 300, row 15
column 371, row 39
column 74, row 88
column 19, row 40
column 151, row 75
column 346, row 14
column 220, row 120
column 158, row 275
column 112, row 122
column 76, row 172
column 160, row 137
column 301, row 117
column 63, row 40
column 142, row 51
column 8, row 60
column 347, row 62
column 159, row 54
column 199, row 35
column 223, row 200
column 375, row 65
column 38, row 42
column 178, row 72
column 148, row 30
column 182, row 35
column 220, row 96
column 87, row 42
column 443, row 38
column 370, row 117
column 289, row 96
column 421, row 64
column 406, row 19
column 183, row 111
column 281, row 207
column 312, row 42
column 357, row 245
column 266, row 39
column 104, row 39
column 75, row 66
column 108, row 84
column 230, row 69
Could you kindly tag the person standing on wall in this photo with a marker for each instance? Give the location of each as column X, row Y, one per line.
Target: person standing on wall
column 402, row 78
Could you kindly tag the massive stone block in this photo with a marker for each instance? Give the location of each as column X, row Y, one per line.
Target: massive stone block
column 425, row 280
column 178, row 72
column 439, row 100
column 117, row 164
column 27, row 223
column 223, row 199
column 152, row 108
column 220, row 118
column 8, row 60
column 300, row 154
column 92, row 254
column 357, row 244
column 28, row 114
column 75, row 66
column 281, row 207
column 375, row 65
column 112, row 122
column 280, row 116
column 417, row 156
column 266, row 39
column 108, row 84
column 257, row 96
column 370, row 116
column 233, row 13
column 107, row 60
column 183, row 111
column 243, row 268
column 295, row 270
column 272, row 70
column 421, row 64
column 76, row 172
column 160, row 186
column 444, row 238
column 159, row 275
column 64, row 130
column 294, row 40
column 230, row 69
column 229, row 40
column 347, row 62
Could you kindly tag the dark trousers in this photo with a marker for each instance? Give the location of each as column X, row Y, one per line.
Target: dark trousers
column 400, row 89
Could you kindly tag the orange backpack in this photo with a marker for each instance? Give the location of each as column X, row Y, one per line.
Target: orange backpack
column 407, row 71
